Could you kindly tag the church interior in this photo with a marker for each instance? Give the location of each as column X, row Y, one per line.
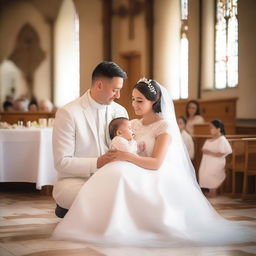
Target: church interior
column 201, row 50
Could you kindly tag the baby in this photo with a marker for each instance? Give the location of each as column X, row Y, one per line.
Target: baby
column 121, row 136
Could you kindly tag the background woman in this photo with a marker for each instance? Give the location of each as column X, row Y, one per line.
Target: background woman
column 193, row 115
column 212, row 167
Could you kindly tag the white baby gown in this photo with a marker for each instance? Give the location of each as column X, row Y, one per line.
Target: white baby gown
column 212, row 169
column 123, row 204
column 122, row 144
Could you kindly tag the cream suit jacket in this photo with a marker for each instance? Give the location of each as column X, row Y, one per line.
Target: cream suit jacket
column 75, row 141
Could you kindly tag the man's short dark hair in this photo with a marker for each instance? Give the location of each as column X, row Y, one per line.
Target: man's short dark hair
column 114, row 125
column 108, row 69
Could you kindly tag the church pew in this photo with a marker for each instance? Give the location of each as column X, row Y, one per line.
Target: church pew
column 14, row 117
column 199, row 142
column 235, row 167
column 223, row 109
column 250, row 169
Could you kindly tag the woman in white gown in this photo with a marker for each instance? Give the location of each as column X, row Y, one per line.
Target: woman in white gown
column 153, row 200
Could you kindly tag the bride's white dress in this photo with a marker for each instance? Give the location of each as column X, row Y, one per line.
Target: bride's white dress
column 128, row 205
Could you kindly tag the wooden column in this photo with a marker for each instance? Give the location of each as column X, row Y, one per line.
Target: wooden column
column 107, row 29
column 149, row 4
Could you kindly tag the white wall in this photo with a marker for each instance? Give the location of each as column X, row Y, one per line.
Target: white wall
column 12, row 18
column 10, row 77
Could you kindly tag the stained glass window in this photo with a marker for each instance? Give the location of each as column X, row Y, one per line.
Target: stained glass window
column 226, row 44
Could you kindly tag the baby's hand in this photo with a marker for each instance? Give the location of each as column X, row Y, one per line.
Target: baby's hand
column 141, row 147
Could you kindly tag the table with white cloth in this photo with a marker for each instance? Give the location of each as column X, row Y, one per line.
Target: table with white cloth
column 26, row 156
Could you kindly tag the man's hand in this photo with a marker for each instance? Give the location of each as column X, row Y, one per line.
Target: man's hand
column 105, row 159
column 110, row 156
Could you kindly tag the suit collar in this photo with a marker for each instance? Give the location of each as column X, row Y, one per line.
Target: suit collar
column 87, row 109
column 90, row 119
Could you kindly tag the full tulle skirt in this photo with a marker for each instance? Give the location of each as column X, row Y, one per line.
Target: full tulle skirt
column 123, row 204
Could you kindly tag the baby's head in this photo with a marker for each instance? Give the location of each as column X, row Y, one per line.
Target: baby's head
column 120, row 127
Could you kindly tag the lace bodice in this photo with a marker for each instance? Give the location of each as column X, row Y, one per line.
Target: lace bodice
column 148, row 133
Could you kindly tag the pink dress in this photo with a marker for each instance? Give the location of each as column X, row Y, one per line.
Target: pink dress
column 212, row 168
column 190, row 123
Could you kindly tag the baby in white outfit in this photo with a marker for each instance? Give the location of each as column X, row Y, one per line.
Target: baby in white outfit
column 121, row 135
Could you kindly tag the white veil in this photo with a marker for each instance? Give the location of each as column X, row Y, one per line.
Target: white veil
column 209, row 225
column 177, row 152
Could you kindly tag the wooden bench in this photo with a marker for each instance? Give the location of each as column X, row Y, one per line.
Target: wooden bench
column 14, row 117
column 250, row 168
column 235, row 166
column 199, row 141
column 223, row 109
column 241, row 169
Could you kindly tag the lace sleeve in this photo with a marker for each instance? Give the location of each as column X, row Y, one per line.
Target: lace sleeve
column 162, row 128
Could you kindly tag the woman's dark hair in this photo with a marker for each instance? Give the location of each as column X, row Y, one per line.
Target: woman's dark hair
column 183, row 119
column 197, row 107
column 114, row 125
column 108, row 69
column 7, row 104
column 219, row 124
column 151, row 90
column 33, row 102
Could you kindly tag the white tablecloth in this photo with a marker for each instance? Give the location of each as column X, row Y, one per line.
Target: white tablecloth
column 26, row 156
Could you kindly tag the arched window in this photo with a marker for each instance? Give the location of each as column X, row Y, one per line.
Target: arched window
column 226, row 44
column 66, row 55
column 183, row 78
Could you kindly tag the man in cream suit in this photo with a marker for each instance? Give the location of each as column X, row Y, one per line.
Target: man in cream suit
column 81, row 136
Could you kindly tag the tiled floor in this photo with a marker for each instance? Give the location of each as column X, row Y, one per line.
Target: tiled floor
column 27, row 220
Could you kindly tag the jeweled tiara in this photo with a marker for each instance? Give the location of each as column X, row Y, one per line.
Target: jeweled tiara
column 149, row 85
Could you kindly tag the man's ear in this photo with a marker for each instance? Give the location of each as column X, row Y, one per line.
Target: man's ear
column 99, row 84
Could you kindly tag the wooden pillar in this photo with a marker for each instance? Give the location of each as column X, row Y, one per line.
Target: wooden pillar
column 149, row 4
column 51, row 27
column 107, row 28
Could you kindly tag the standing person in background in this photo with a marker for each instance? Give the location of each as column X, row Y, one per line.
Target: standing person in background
column 81, row 136
column 45, row 106
column 8, row 106
column 187, row 138
column 193, row 115
column 212, row 167
column 33, row 106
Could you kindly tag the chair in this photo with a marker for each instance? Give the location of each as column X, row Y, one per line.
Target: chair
column 250, row 167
